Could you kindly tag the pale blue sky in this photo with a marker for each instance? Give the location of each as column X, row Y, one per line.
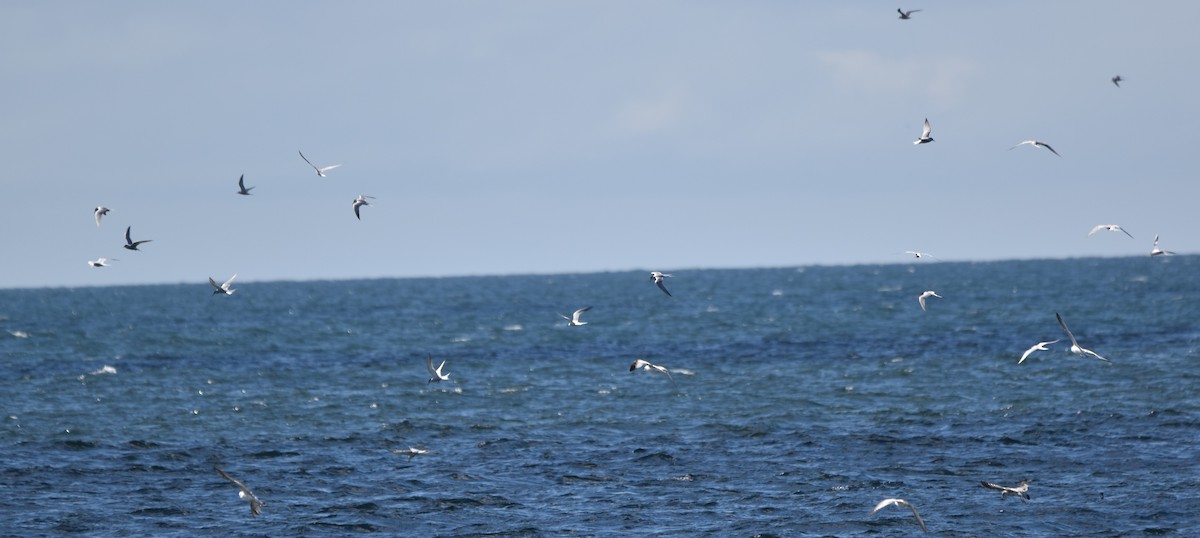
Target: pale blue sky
column 517, row 137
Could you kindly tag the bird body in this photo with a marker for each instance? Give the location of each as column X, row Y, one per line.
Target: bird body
column 1021, row 490
column 900, row 503
column 657, row 277
column 919, row 255
column 1111, row 228
column 1158, row 251
column 1036, row 144
column 647, row 366
column 925, row 295
column 222, row 288
column 100, row 212
column 925, row 132
column 359, row 202
column 100, row 262
column 574, row 319
column 244, row 493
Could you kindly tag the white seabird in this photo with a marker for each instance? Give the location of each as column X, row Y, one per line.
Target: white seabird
column 574, row 319
column 242, row 190
column 1109, row 227
column 905, row 15
column 645, row 365
column 244, row 493
column 411, row 452
column 925, row 295
column 1021, row 490
column 435, row 372
column 1075, row 347
column 925, row 138
column 920, row 255
column 320, row 171
column 100, row 212
column 657, row 277
column 100, row 262
column 130, row 244
column 1040, row 346
column 903, row 503
column 222, row 288
column 1036, row 144
column 359, row 202
column 1158, row 251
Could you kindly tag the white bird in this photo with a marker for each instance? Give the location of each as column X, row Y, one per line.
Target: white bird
column 925, row 138
column 645, row 365
column 1035, row 144
column 100, row 212
column 920, row 255
column 903, row 503
column 1021, row 490
column 1117, row 81
column 1109, row 227
column 657, row 277
column 435, row 372
column 1158, row 251
column 574, row 319
column 242, row 186
column 244, row 493
column 359, row 202
column 100, row 262
column 222, row 288
column 1041, row 346
column 905, row 15
column 925, row 295
column 411, row 452
column 1075, row 348
column 320, row 171
column 130, row 244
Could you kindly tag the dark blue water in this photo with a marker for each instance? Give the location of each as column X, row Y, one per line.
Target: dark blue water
column 801, row 397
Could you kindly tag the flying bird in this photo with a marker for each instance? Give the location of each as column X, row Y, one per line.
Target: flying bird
column 1035, row 144
column 920, row 255
column 903, row 503
column 411, row 452
column 1075, row 348
column 320, row 171
column 359, row 202
column 925, row 138
column 1158, row 251
column 242, row 190
column 905, row 15
column 1109, row 227
column 1021, row 490
column 435, row 372
column 244, row 493
column 100, row 262
column 130, row 244
column 645, row 365
column 100, row 212
column 223, row 288
column 926, row 295
column 574, row 319
column 657, row 277
column 1117, row 81
column 1040, row 346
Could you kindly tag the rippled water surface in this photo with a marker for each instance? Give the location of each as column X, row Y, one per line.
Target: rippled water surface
column 799, row 398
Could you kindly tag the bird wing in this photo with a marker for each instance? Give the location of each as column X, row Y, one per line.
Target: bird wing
column 241, row 182
column 308, row 161
column 1091, row 353
column 214, row 284
column 882, row 504
column 575, row 315
column 1047, row 146
column 225, row 286
column 637, row 364
column 916, row 515
column 357, row 204
column 128, row 240
column 925, row 132
column 1024, row 356
column 1066, row 330
column 1096, row 229
column 1126, row 232
column 921, row 299
column 663, row 287
column 328, row 168
column 429, row 364
column 990, row 485
column 236, row 482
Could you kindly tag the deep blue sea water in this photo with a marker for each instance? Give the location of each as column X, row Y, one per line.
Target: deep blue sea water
column 801, row 397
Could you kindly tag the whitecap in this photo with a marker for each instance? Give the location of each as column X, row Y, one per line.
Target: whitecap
column 19, row 334
column 106, row 370
column 514, row 327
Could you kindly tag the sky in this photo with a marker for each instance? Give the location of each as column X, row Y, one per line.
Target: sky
column 548, row 137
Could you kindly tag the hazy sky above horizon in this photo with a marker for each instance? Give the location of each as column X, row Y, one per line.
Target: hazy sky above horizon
column 544, row 136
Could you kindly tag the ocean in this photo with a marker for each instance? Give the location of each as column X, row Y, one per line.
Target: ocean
column 798, row 399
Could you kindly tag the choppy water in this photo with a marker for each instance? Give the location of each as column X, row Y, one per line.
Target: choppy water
column 801, row 397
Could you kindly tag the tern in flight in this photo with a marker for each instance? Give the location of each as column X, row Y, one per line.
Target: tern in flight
column 435, row 372
column 657, row 277
column 903, row 503
column 130, row 244
column 101, row 211
column 645, row 365
column 359, row 202
column 244, row 493
column 411, row 452
column 1158, row 251
column 1035, row 144
column 920, row 255
column 242, row 190
column 574, row 319
column 223, row 288
column 1109, row 227
column 1117, row 81
column 1041, row 346
column 925, row 295
column 925, row 138
column 905, row 15
column 1075, row 348
column 100, row 262
column 320, row 171
column 1021, row 490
